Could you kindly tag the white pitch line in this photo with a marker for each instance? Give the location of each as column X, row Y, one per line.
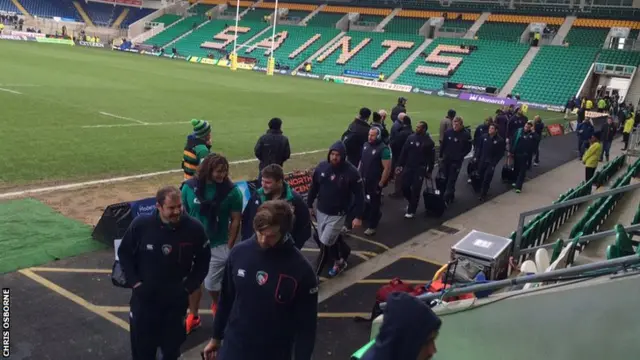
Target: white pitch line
column 122, row 178
column 11, row 91
column 130, row 125
column 122, row 117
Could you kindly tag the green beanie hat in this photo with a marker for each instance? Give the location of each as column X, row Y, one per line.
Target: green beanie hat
column 201, row 128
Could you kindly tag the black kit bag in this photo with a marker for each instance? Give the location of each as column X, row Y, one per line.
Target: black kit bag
column 433, row 203
column 508, row 173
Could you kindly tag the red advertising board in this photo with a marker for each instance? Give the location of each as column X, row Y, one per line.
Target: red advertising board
column 300, row 181
column 555, row 129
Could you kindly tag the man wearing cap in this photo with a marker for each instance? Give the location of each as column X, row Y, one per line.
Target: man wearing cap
column 198, row 146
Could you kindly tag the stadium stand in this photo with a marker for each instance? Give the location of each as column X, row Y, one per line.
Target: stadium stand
column 504, row 31
column 7, row 5
column 167, row 19
column 290, row 51
column 586, row 36
column 476, row 68
column 365, row 49
column 257, row 14
column 405, row 25
column 102, row 14
column 50, row 9
column 176, row 30
column 618, row 57
column 370, row 19
column 555, row 74
column 195, row 44
column 325, row 19
column 134, row 15
column 201, row 9
column 456, row 25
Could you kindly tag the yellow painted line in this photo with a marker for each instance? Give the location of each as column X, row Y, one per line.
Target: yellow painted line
column 386, row 281
column 126, row 309
column 360, row 238
column 75, row 298
column 365, row 255
column 71, row 270
column 421, row 259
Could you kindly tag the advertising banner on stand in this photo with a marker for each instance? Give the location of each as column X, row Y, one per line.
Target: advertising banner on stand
column 487, row 99
column 91, row 44
column 55, row 41
column 469, row 87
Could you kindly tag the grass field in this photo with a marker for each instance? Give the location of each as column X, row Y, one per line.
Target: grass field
column 53, row 129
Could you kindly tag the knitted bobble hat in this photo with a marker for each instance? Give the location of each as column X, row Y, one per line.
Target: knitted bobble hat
column 201, row 128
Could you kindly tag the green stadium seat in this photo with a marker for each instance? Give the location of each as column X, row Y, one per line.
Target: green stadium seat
column 296, row 37
column 555, row 74
column 257, row 15
column 298, row 14
column 501, row 31
column 176, row 30
column 477, row 68
column 167, row 19
column 325, row 19
column 369, row 19
column 589, row 37
column 619, row 57
column 369, row 54
column 201, row 9
column 404, row 25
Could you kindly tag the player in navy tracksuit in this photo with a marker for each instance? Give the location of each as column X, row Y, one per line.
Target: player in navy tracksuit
column 456, row 145
column 165, row 258
column 516, row 122
column 538, row 128
column 408, row 332
column 338, row 187
column 522, row 148
column 416, row 162
column 489, row 150
column 268, row 306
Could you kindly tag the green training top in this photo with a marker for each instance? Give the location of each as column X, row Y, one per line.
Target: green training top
column 386, row 153
column 232, row 203
column 360, row 353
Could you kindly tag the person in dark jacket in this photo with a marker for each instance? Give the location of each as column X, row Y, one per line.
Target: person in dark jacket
column 409, row 330
column 396, row 143
column 397, row 125
column 337, row 186
column 585, row 131
column 481, row 130
column 607, row 133
column 165, row 257
column 401, row 107
column 446, row 124
column 516, row 122
column 455, row 146
column 487, row 154
column 197, row 147
column 416, row 162
column 502, row 121
column 375, row 169
column 269, row 301
column 356, row 135
column 522, row 149
column 272, row 147
column 275, row 188
column 538, row 128
column 378, row 121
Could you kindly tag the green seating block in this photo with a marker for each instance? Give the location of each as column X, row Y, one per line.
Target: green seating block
column 296, row 36
column 201, row 9
column 369, row 19
column 297, row 14
column 619, row 57
column 477, row 68
column 588, row 37
column 404, row 25
column 501, row 31
column 555, row 74
column 325, row 19
column 176, row 30
column 369, row 54
column 257, row 15
column 167, row 19
column 190, row 45
column 623, row 241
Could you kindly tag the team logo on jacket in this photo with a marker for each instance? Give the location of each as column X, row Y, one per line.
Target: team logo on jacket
column 262, row 277
column 166, row 249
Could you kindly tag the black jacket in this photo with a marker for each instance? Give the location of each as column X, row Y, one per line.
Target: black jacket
column 384, row 133
column 455, row 145
column 268, row 307
column 608, row 132
column 170, row 260
column 353, row 139
column 396, row 111
column 302, row 224
column 272, row 148
column 481, row 130
column 419, row 151
column 524, row 143
column 336, row 186
column 490, row 149
column 398, row 139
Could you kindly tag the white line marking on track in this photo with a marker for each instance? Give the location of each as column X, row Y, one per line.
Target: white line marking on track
column 130, row 125
column 11, row 91
column 122, row 178
column 122, row 117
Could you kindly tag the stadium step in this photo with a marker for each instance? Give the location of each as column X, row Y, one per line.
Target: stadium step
column 386, row 20
column 324, row 48
column 409, row 61
column 471, row 33
column 83, row 14
column 564, row 30
column 313, row 13
column 120, row 18
column 20, row 7
column 517, row 74
column 185, row 34
column 622, row 214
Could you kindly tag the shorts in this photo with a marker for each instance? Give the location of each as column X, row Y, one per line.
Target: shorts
column 219, row 255
column 329, row 227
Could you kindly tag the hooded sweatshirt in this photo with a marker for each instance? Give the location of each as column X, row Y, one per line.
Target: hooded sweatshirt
column 336, row 186
column 406, row 326
column 302, row 225
column 355, row 136
column 268, row 305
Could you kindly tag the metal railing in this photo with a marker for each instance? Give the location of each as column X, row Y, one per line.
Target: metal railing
column 580, row 200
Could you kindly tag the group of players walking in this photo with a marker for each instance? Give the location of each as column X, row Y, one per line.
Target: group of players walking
column 263, row 291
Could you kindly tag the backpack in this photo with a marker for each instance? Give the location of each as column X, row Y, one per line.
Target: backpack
column 395, row 285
